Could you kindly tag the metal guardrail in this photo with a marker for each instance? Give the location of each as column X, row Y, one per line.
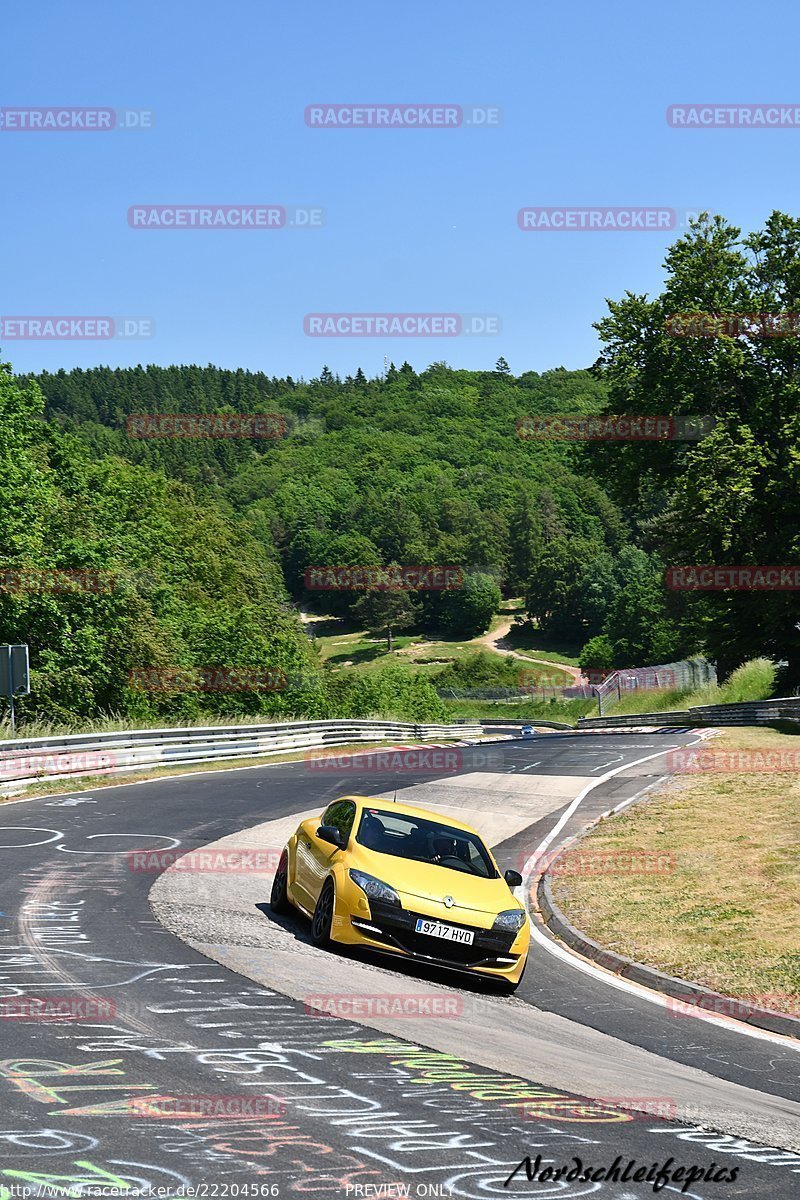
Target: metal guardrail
column 664, row 718
column 749, row 712
column 24, row 761
column 518, row 722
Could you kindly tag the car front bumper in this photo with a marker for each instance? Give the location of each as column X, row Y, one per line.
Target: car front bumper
column 390, row 929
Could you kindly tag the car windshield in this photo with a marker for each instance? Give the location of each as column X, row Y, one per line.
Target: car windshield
column 426, row 841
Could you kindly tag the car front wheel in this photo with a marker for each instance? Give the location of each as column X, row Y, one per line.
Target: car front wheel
column 323, row 915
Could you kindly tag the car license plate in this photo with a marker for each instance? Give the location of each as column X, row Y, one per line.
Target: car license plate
column 448, row 932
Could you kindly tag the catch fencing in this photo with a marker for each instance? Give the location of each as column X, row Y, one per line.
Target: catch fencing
column 686, row 675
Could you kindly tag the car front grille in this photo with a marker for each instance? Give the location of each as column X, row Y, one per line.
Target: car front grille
column 397, row 928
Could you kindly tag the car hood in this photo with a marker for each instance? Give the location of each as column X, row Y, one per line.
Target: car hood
column 425, row 881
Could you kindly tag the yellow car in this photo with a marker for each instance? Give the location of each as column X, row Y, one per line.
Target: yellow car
column 407, row 882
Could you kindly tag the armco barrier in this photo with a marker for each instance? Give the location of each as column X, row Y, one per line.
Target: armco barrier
column 750, row 712
column 665, row 718
column 24, row 761
column 518, row 722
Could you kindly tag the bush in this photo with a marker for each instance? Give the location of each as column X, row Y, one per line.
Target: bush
column 387, row 692
column 481, row 669
column 753, row 680
column 597, row 655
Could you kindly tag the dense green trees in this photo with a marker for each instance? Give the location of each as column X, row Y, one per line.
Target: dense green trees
column 153, row 578
column 417, row 469
column 734, row 497
column 213, row 542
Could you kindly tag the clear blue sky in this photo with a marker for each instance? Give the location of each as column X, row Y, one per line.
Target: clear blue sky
column 416, row 221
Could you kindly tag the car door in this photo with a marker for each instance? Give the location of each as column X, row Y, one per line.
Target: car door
column 304, row 861
column 341, row 814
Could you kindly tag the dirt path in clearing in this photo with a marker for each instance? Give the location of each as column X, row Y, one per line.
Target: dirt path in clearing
column 497, row 640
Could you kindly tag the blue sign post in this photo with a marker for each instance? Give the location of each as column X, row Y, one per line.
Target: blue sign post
column 14, row 674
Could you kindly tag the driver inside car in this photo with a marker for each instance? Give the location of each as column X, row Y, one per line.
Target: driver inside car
column 444, row 847
column 371, row 833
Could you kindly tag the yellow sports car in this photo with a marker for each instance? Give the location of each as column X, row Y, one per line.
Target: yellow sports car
column 408, row 882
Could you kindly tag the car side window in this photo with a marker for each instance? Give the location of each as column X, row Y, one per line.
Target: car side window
column 345, row 818
column 341, row 814
column 329, row 816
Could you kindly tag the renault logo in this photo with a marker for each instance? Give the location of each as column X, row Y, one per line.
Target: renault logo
column 448, row 901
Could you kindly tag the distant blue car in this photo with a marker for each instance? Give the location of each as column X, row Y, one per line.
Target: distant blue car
column 528, row 731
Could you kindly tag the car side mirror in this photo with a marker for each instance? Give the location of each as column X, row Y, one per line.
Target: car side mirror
column 329, row 833
column 512, row 878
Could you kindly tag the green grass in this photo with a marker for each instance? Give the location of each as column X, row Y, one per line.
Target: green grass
column 567, row 711
column 360, row 651
column 645, row 701
column 534, row 644
column 754, row 680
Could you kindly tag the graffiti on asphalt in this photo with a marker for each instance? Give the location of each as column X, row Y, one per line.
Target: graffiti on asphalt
column 402, row 1112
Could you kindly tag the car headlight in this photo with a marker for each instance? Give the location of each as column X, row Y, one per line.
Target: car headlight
column 511, row 919
column 374, row 888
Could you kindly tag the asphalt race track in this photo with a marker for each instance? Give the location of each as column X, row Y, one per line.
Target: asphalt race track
column 259, row 1097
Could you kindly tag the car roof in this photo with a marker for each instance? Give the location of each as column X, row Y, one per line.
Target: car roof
column 410, row 810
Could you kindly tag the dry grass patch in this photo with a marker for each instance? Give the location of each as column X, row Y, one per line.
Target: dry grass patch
column 727, row 911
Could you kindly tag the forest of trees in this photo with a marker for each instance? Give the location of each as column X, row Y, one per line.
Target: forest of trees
column 210, row 540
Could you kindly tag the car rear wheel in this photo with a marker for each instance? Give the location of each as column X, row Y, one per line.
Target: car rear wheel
column 279, row 899
column 323, row 915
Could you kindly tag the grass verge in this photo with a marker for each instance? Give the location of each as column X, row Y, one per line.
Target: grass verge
column 727, row 912
column 534, row 644
column 567, row 711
